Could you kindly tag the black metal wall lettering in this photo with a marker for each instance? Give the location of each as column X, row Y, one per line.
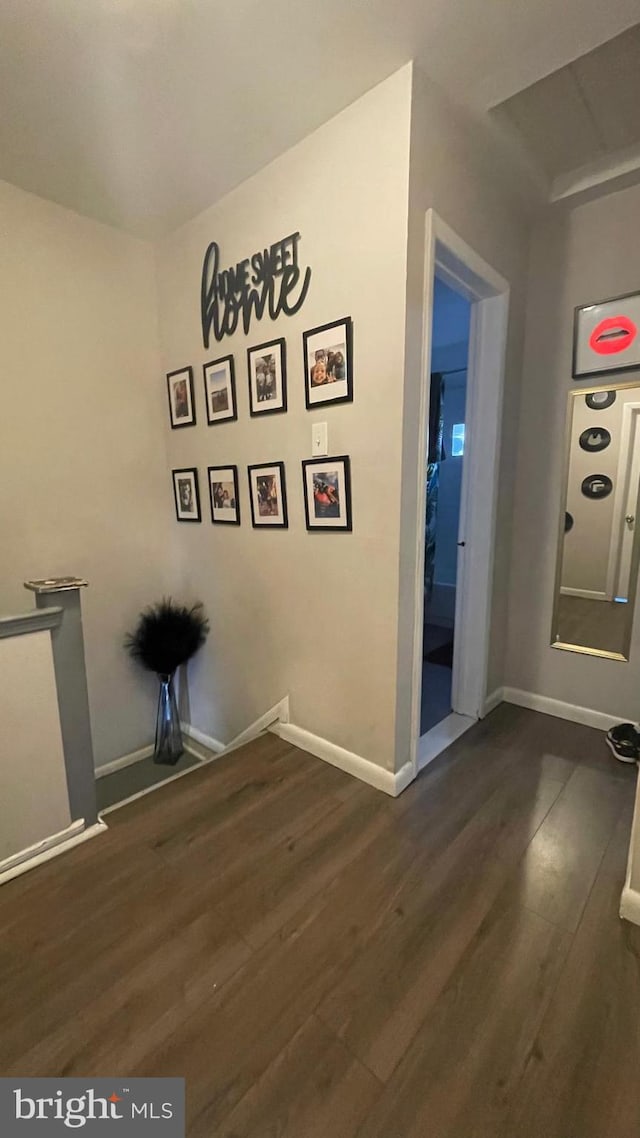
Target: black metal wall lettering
column 271, row 277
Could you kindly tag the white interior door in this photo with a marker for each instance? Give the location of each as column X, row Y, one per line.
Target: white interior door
column 625, row 520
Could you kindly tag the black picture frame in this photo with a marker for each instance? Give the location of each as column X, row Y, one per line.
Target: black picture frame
column 184, row 517
column 173, row 378
column 320, row 519
column 230, row 413
column 256, row 406
column 262, row 521
column 617, row 365
column 224, row 521
column 325, row 394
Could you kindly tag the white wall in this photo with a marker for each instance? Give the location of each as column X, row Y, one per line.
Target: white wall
column 309, row 614
column 456, row 171
column 588, row 254
column 84, row 481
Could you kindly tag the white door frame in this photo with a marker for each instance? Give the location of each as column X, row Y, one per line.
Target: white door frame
column 628, row 458
column 459, row 266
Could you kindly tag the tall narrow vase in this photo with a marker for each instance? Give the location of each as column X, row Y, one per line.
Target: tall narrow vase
column 168, row 735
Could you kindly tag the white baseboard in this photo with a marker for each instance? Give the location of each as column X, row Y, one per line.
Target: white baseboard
column 123, row 761
column 49, row 848
column 279, row 713
column 353, row 764
column 588, row 594
column 196, row 736
column 630, row 900
column 492, row 701
column 630, row 905
column 191, row 733
column 585, row 715
column 275, row 719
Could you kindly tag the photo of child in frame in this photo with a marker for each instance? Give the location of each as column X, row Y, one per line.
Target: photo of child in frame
column 328, row 365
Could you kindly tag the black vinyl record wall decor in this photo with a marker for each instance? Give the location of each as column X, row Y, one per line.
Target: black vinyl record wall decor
column 598, row 400
column 597, row 486
column 568, row 522
column 595, row 439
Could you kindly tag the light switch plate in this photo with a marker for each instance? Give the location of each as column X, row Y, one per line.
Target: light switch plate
column 319, row 440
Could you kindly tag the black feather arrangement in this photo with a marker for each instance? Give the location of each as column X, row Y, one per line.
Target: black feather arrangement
column 167, row 636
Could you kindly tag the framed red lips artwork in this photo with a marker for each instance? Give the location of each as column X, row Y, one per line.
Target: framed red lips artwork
column 606, row 336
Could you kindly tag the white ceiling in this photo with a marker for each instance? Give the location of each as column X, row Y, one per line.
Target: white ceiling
column 143, row 112
column 584, row 111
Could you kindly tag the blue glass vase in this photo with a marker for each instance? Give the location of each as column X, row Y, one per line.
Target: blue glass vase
column 168, row 748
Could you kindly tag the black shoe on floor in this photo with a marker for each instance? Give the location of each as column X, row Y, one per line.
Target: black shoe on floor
column 623, row 741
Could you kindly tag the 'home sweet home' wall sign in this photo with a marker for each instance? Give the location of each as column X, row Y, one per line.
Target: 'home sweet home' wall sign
column 272, row 277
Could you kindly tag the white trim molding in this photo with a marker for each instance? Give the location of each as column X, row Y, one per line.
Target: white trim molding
column 588, row 594
column 575, row 714
column 49, row 848
column 276, row 720
column 435, row 741
column 124, row 761
column 279, row 713
column 458, row 265
column 492, row 701
column 194, row 736
column 630, row 900
column 630, row 905
column 348, row 761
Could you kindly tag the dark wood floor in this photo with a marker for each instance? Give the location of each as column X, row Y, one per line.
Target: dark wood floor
column 320, row 961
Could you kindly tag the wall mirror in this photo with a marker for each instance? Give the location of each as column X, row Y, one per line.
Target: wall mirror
column 598, row 552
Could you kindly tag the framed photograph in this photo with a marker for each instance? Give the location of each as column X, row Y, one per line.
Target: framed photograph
column 327, row 492
column 606, row 336
column 220, row 390
column 267, row 366
column 223, row 493
column 182, row 405
column 328, row 363
column 268, row 494
column 186, row 494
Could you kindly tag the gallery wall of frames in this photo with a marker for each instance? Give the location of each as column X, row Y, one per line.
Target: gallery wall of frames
column 325, row 483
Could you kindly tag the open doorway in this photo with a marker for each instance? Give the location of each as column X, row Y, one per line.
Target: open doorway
column 450, row 262
column 447, row 420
